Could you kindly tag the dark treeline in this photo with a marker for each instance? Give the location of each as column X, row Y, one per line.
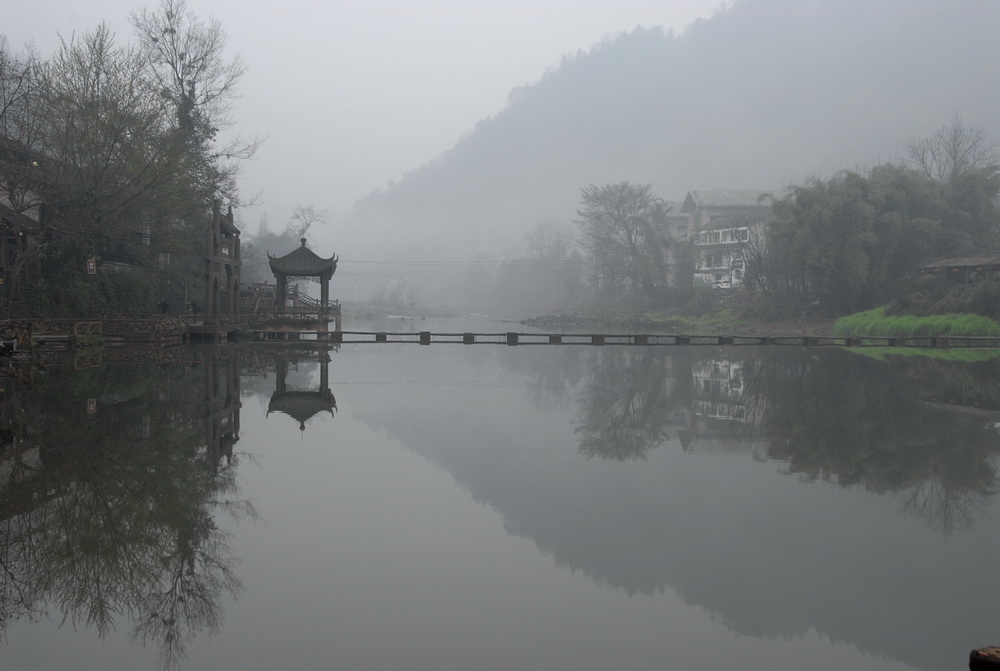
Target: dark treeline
column 110, row 151
column 854, row 241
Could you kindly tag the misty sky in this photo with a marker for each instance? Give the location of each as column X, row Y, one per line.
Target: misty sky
column 353, row 93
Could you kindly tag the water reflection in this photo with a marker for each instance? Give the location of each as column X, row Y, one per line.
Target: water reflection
column 301, row 404
column 626, row 402
column 655, row 471
column 111, row 478
column 858, row 421
column 924, row 431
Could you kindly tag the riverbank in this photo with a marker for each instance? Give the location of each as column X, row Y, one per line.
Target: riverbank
column 724, row 322
column 877, row 323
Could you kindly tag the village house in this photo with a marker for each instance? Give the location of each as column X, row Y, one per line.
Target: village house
column 721, row 223
column 966, row 269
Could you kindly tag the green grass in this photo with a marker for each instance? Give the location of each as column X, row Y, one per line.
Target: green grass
column 724, row 320
column 875, row 323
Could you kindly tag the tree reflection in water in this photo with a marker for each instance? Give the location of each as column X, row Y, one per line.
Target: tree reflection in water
column 921, row 432
column 860, row 422
column 625, row 403
column 111, row 480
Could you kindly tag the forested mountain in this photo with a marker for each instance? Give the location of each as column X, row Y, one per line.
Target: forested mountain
column 764, row 94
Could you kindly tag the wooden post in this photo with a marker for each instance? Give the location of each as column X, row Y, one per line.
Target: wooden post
column 468, row 338
column 511, row 338
column 425, row 337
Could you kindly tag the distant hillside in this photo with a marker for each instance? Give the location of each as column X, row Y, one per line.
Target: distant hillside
column 764, row 94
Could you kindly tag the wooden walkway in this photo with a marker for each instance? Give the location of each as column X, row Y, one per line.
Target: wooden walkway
column 513, row 338
column 169, row 331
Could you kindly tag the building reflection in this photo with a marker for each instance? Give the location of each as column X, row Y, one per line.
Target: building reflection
column 301, row 404
column 924, row 434
column 110, row 482
column 720, row 417
column 763, row 552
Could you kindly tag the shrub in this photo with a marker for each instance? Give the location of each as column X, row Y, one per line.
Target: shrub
column 876, row 323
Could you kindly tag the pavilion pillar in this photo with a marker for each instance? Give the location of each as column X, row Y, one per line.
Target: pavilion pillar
column 280, row 372
column 324, row 290
column 279, row 294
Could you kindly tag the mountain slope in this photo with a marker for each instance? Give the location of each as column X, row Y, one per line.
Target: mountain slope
column 764, row 94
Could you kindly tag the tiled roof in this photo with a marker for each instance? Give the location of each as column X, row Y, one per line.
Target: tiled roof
column 302, row 405
column 302, row 261
column 723, row 198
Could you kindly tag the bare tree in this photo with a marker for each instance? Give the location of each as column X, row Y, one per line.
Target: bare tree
column 106, row 134
column 952, row 150
column 20, row 121
column 86, row 136
column 549, row 241
column 186, row 59
column 303, row 218
column 623, row 230
column 19, row 84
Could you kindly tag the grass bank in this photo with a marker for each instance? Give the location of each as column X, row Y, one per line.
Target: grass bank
column 876, row 323
column 649, row 322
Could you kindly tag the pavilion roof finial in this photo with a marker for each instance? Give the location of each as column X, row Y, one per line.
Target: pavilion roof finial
column 303, row 241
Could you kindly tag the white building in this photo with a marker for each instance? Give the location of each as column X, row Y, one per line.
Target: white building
column 721, row 223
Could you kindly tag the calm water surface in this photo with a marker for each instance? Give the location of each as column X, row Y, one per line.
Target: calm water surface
column 490, row 507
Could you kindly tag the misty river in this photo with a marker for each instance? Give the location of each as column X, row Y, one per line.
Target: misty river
column 555, row 507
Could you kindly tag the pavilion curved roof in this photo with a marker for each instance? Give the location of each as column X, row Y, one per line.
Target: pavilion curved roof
column 302, row 261
column 302, row 405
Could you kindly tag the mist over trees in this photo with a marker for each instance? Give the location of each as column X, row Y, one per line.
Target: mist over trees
column 765, row 94
column 623, row 230
column 256, row 267
column 853, row 241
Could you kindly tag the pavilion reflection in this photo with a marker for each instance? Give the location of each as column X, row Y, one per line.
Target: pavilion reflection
column 301, row 404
